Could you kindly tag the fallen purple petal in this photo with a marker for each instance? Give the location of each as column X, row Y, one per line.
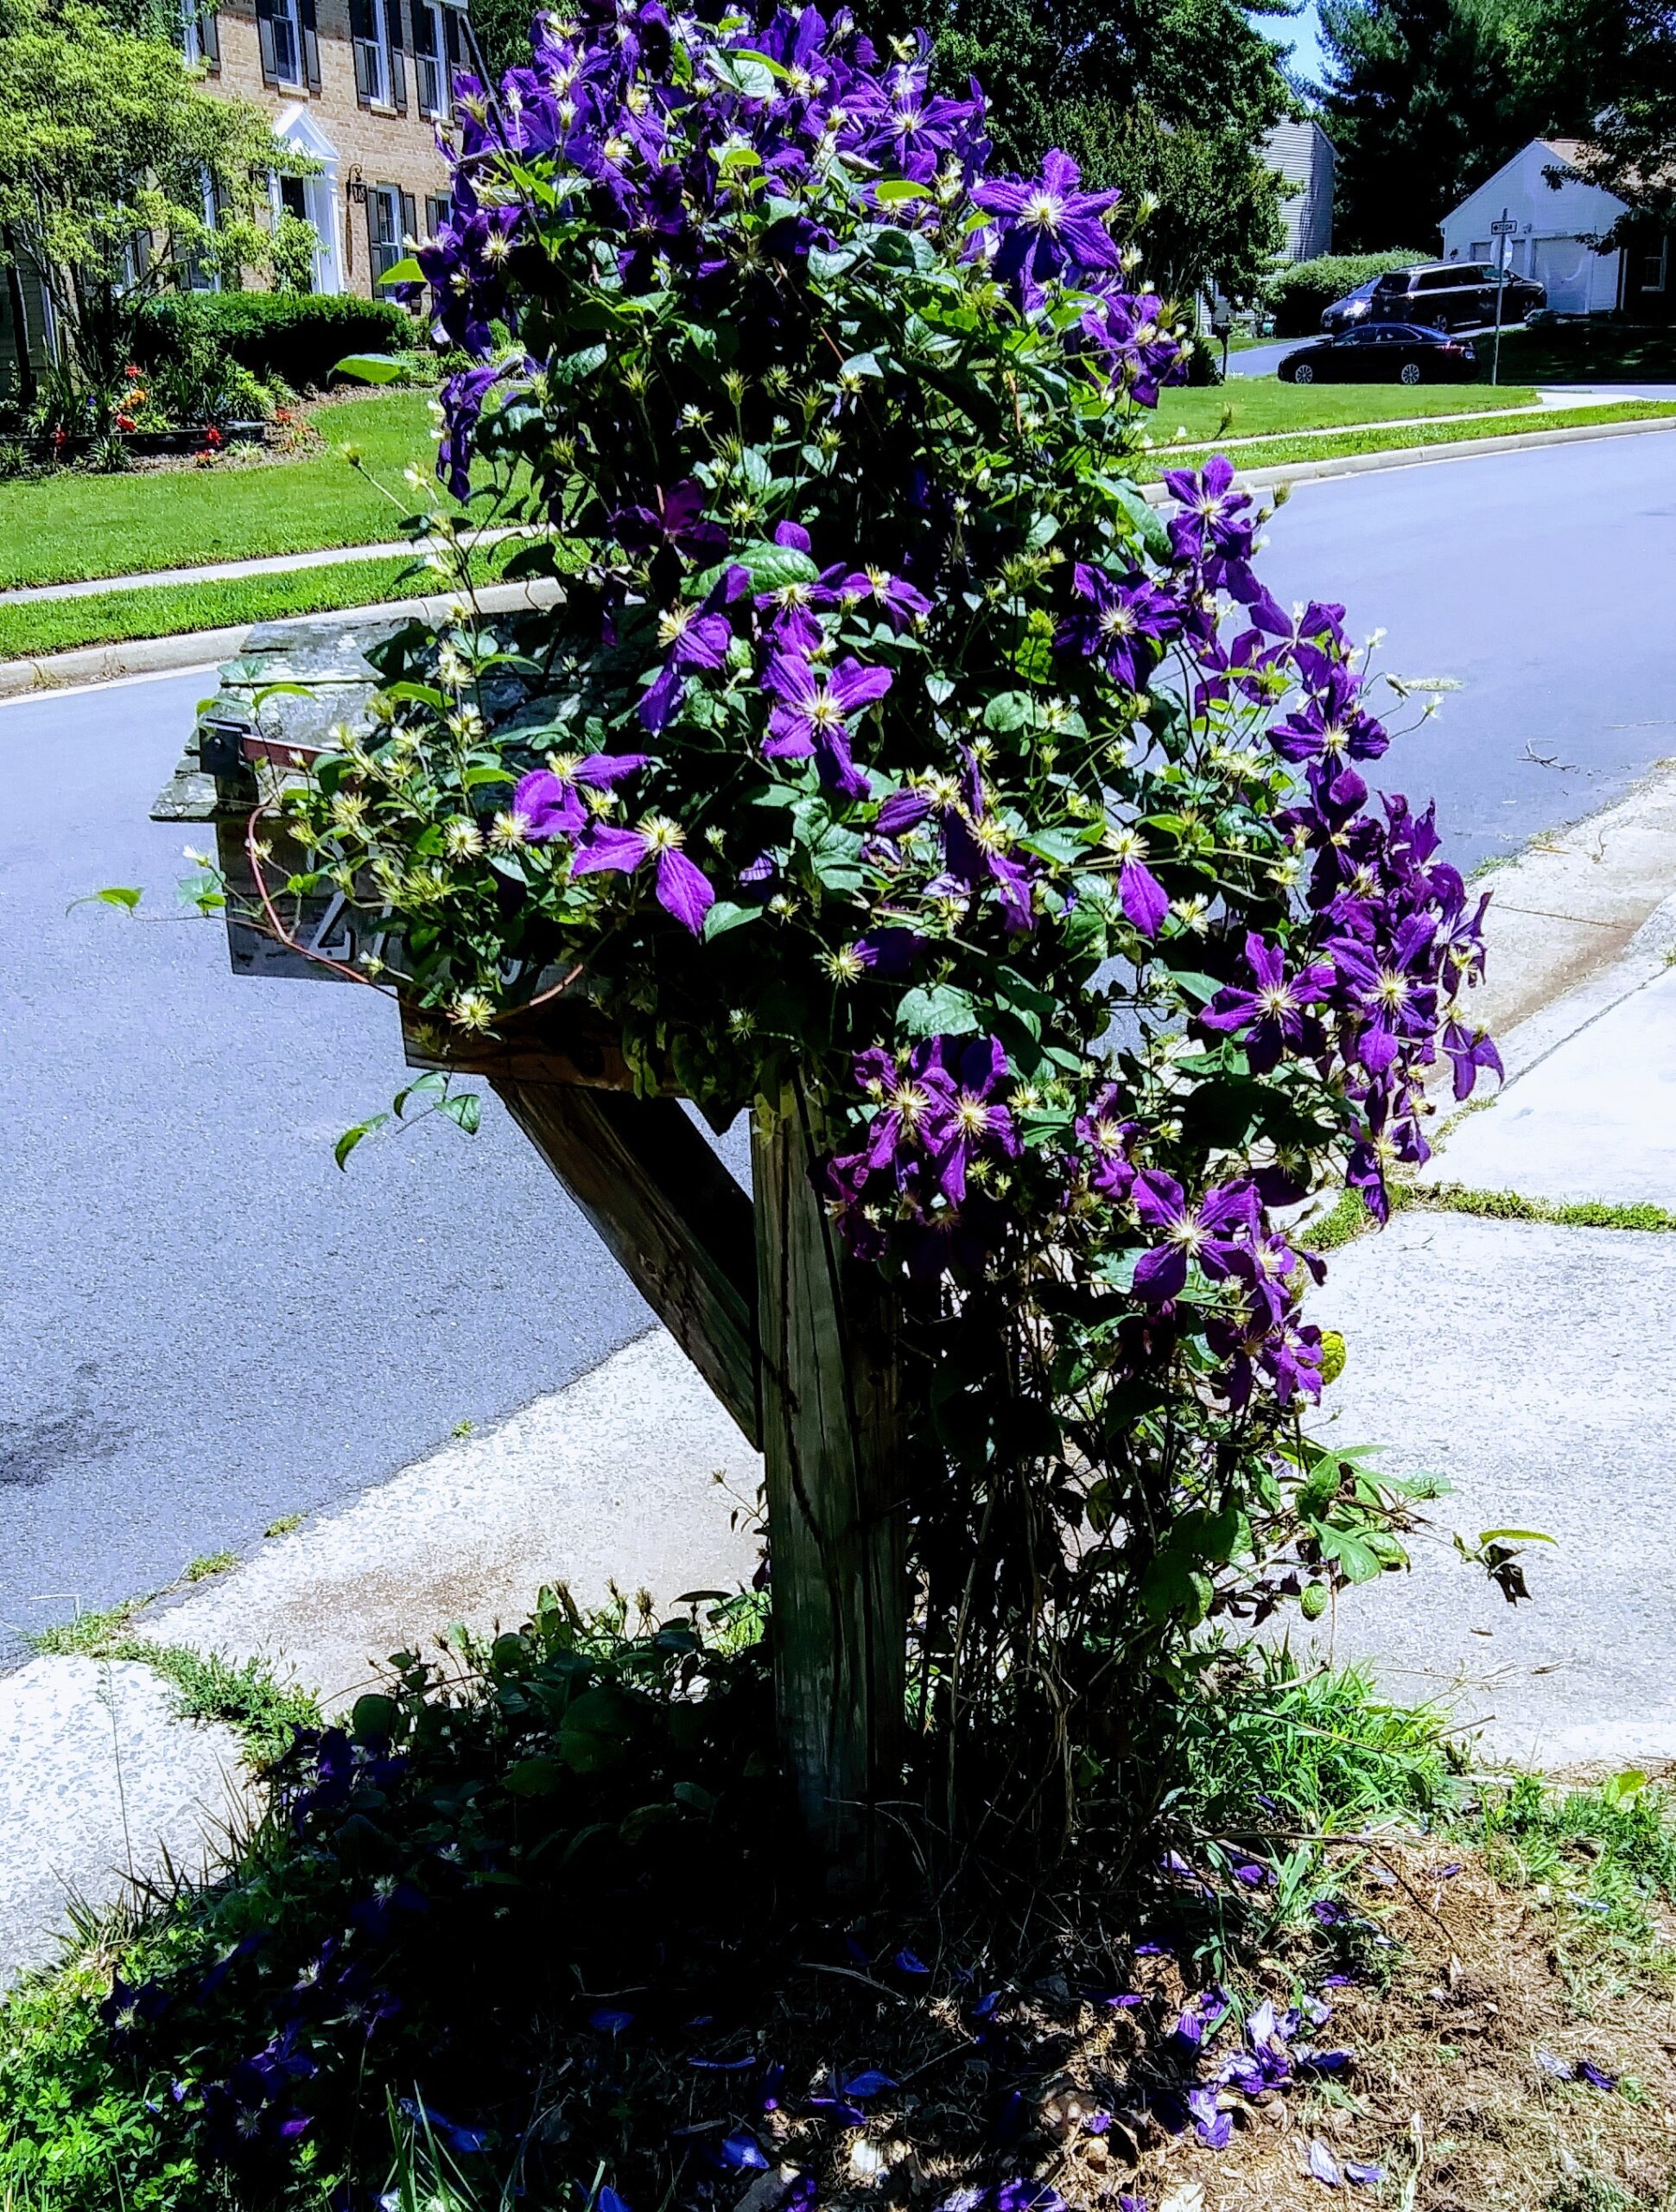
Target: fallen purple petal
column 1322, row 2165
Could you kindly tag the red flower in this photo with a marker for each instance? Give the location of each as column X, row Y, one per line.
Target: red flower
column 124, row 422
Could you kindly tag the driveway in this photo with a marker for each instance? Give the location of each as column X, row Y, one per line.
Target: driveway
column 204, row 1325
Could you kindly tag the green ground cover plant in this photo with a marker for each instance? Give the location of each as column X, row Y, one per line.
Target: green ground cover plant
column 38, row 627
column 1349, row 1218
column 1593, row 349
column 71, row 526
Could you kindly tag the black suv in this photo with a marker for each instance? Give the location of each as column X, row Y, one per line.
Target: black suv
column 1453, row 296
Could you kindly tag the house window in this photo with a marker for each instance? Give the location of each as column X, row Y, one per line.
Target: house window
column 384, row 230
column 430, row 57
column 436, row 213
column 1654, row 267
column 201, row 276
column 200, row 40
column 288, row 41
column 369, row 32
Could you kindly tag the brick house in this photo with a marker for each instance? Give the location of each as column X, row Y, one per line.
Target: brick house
column 358, row 84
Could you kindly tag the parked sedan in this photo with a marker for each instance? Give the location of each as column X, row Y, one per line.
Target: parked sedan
column 1383, row 353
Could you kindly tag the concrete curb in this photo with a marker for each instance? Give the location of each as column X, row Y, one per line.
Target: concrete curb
column 110, row 664
column 1362, row 464
column 265, row 564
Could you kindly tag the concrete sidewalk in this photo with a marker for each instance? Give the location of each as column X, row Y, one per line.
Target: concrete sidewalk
column 632, row 1473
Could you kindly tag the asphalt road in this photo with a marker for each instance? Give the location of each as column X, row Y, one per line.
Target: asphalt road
column 204, row 1325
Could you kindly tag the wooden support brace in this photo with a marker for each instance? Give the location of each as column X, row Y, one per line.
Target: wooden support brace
column 832, row 1444
column 668, row 1212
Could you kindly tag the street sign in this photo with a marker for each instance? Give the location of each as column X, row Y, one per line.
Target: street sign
column 1505, row 228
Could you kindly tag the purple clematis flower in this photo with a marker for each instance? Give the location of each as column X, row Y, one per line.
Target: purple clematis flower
column 1144, row 899
column 1105, row 1139
column 1394, row 994
column 550, row 801
column 1328, row 724
column 812, row 711
column 1213, row 2127
column 682, row 889
column 1272, row 1015
column 965, row 1122
column 678, row 519
column 691, row 636
column 463, row 394
column 1469, row 1050
column 1048, row 227
column 1199, row 1233
column 1122, row 626
column 895, row 597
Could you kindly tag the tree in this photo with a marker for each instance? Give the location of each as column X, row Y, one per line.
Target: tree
column 112, row 156
column 1426, row 99
column 1172, row 101
column 1629, row 48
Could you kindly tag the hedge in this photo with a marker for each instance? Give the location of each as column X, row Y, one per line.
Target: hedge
column 1298, row 294
column 299, row 338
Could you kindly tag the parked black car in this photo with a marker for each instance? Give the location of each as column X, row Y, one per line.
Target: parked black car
column 1354, row 308
column 1383, row 353
column 1453, row 296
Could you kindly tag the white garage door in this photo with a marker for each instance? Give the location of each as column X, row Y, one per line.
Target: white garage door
column 1564, row 265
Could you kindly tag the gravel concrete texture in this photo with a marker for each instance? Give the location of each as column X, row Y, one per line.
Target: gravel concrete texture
column 99, row 1779
column 1523, row 1364
column 613, row 1476
column 1589, row 1118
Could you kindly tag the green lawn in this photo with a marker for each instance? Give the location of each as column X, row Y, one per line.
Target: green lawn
column 1592, row 352
column 51, row 625
column 1259, row 405
column 63, row 529
column 1326, row 445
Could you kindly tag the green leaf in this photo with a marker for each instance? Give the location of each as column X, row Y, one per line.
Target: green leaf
column 1619, row 1789
column 770, row 567
column 1149, row 526
column 533, row 1778
column 347, row 1142
column 370, row 368
column 424, row 1086
column 465, row 1108
column 574, row 366
column 120, row 894
column 1514, row 1536
column 1355, row 1558
column 727, row 914
column 405, row 271
column 1010, row 710
column 898, row 191
column 937, row 1010
column 373, row 1715
column 861, row 365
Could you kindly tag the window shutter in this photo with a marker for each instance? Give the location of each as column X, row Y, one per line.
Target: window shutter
column 451, row 36
column 264, row 33
column 209, row 37
column 373, row 204
column 363, row 32
column 398, row 68
column 410, row 220
column 310, row 43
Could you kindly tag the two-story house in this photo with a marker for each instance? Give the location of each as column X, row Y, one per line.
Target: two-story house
column 358, row 84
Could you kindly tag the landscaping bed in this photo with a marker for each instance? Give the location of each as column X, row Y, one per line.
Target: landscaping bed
column 531, row 1929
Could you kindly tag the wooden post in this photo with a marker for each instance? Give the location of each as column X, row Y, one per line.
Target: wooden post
column 831, row 1441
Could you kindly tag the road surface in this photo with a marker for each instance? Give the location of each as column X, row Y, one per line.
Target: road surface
column 204, row 1325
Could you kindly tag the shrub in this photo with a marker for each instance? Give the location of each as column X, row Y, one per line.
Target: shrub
column 296, row 339
column 1298, row 294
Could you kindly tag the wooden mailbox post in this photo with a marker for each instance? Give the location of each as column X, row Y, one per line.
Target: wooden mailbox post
column 796, row 1341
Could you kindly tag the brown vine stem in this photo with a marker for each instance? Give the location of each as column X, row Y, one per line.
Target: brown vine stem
column 278, row 929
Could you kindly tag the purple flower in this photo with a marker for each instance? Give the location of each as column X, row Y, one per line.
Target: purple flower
column 1047, row 227
column 1328, row 725
column 1120, row 624
column 1212, row 2126
column 893, row 596
column 548, row 801
column 677, row 519
column 1469, row 1050
column 691, row 636
column 463, row 394
column 1196, row 1233
column 965, row 1122
column 1322, row 2165
column 1271, row 1014
column 1393, row 993
column 1104, row 1137
column 682, row 889
column 812, row 711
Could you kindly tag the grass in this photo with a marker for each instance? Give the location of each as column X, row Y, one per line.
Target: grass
column 1258, row 406
column 1349, row 1218
column 65, row 527
column 1326, row 446
column 51, row 625
column 1591, row 352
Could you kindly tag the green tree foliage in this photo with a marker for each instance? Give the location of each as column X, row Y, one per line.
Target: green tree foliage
column 1425, row 99
column 110, row 150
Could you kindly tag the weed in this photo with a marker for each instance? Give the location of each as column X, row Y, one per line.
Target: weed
column 90, row 1635
column 243, row 1695
column 1349, row 1218
column 209, row 1564
column 284, row 1525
